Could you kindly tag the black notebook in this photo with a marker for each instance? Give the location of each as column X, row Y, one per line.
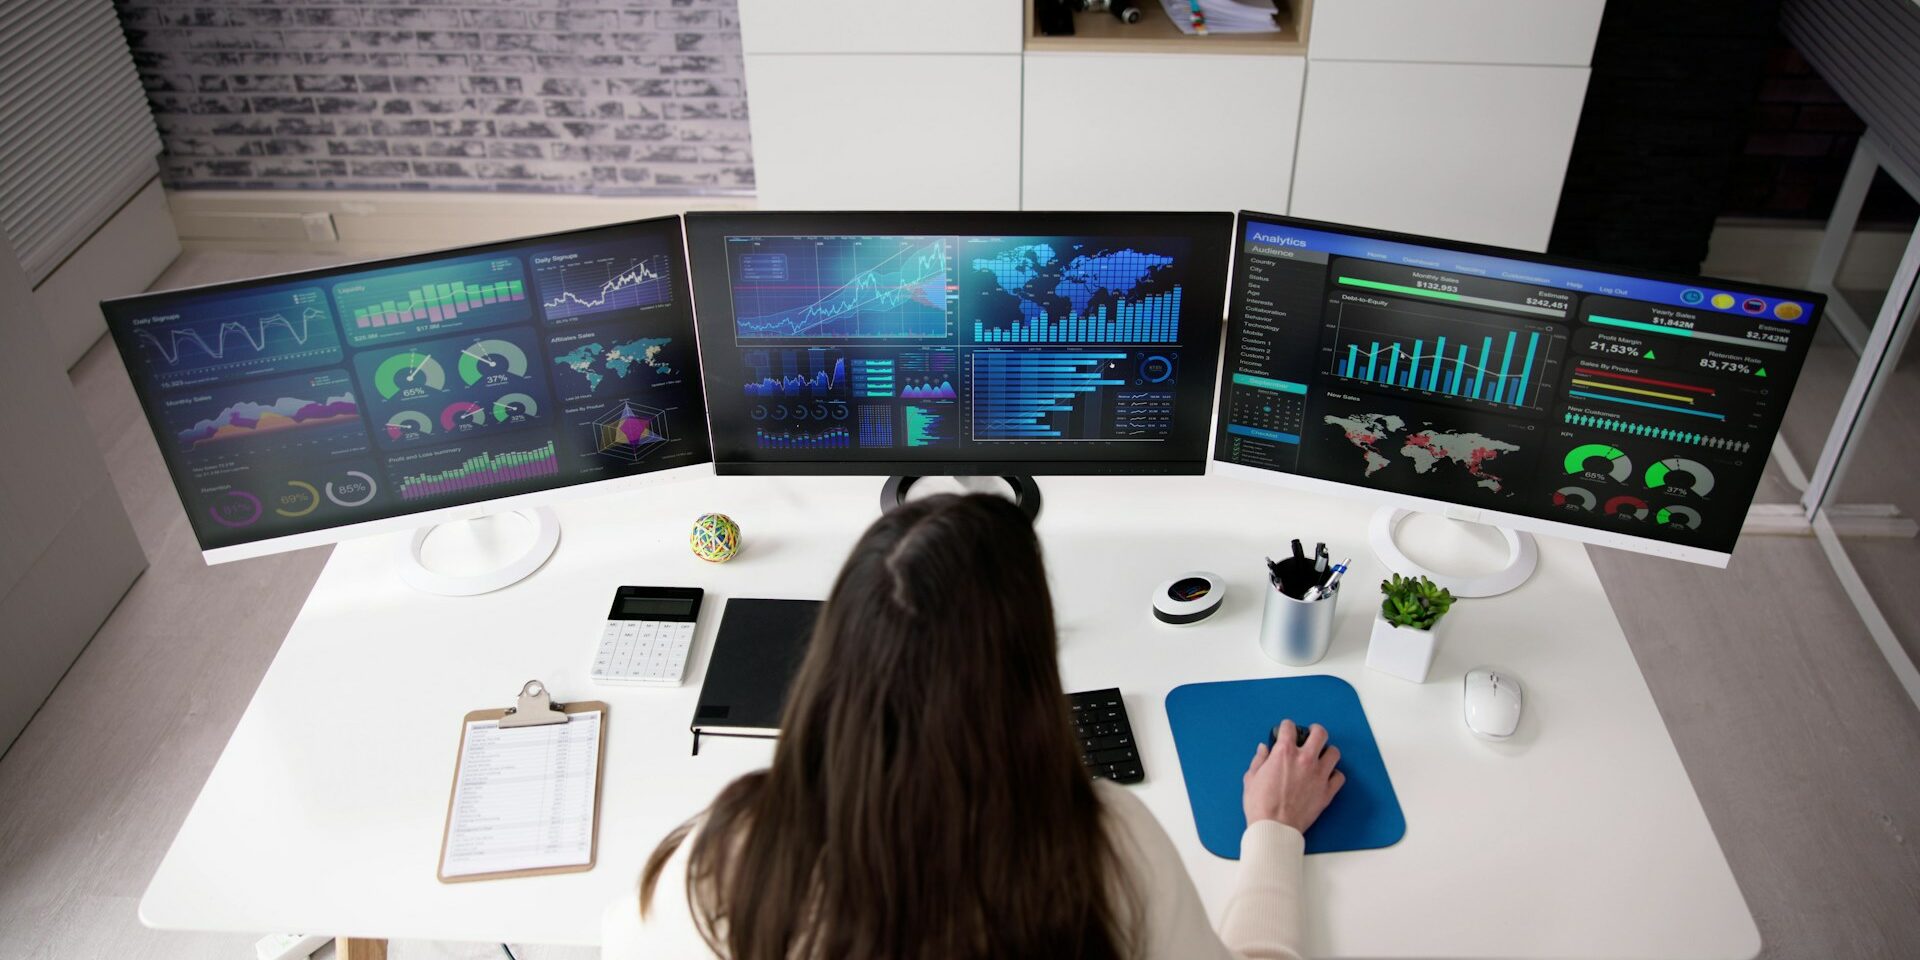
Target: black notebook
column 755, row 655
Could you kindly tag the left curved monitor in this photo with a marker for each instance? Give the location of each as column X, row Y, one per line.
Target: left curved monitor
column 307, row 407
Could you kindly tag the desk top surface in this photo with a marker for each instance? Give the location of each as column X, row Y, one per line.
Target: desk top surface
column 1581, row 837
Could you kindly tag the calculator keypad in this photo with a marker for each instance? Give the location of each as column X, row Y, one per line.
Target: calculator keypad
column 643, row 651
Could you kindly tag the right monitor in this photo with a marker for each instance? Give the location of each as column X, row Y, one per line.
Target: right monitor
column 1618, row 408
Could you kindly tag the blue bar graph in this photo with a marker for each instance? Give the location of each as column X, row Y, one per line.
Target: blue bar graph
column 1428, row 370
column 1032, row 396
column 1151, row 319
column 1520, row 392
column 1506, row 359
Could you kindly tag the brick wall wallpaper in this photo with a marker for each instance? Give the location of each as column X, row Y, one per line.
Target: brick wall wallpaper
column 562, row 96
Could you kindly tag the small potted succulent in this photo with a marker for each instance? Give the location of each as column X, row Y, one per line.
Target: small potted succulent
column 1406, row 631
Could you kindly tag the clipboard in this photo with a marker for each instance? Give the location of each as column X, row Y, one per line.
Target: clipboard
column 534, row 708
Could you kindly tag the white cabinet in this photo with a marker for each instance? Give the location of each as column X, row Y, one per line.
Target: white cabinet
column 880, row 26
column 1539, row 32
column 886, row 131
column 1445, row 117
column 1159, row 131
column 1460, row 151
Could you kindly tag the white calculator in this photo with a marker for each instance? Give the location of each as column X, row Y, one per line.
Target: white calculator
column 647, row 636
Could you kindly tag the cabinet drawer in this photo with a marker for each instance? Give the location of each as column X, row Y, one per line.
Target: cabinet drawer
column 1159, row 131
column 880, row 26
column 1545, row 32
column 1449, row 150
column 880, row 131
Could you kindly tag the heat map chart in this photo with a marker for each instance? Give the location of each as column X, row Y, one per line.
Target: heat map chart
column 1055, row 290
column 603, row 279
column 841, row 288
column 238, row 334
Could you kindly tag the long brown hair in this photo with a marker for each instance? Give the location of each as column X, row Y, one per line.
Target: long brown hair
column 926, row 798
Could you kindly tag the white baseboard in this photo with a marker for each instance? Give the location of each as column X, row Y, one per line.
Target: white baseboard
column 376, row 223
column 1781, row 253
column 124, row 256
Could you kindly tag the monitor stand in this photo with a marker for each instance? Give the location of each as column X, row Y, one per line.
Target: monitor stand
column 489, row 549
column 1523, row 555
column 1021, row 490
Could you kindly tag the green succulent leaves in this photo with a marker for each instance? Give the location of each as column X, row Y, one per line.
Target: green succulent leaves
column 1418, row 604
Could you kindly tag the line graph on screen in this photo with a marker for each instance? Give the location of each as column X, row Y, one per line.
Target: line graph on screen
column 237, row 335
column 598, row 284
column 842, row 288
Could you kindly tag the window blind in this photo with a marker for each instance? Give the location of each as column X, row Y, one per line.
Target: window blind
column 1869, row 50
column 79, row 137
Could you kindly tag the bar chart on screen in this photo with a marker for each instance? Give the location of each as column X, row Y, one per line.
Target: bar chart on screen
column 402, row 302
column 1500, row 361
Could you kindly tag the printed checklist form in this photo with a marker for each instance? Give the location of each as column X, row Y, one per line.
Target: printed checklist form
column 524, row 799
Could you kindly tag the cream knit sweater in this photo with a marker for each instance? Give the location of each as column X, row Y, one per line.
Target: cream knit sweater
column 1261, row 921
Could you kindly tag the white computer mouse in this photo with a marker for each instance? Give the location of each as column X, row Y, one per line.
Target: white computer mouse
column 1491, row 703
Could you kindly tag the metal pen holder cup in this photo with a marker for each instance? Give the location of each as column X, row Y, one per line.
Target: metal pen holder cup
column 1297, row 632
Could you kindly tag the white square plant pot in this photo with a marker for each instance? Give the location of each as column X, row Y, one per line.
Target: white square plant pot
column 1402, row 652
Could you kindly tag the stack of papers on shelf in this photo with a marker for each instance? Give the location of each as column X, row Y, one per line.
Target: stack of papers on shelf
column 1222, row 16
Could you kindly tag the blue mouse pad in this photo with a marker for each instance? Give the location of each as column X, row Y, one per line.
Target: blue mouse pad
column 1216, row 727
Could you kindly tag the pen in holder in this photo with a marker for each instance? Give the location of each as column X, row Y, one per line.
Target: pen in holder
column 1293, row 631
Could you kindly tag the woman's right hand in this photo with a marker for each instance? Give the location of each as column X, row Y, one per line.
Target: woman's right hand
column 1292, row 784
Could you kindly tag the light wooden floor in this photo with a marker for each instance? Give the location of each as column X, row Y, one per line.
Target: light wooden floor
column 1804, row 750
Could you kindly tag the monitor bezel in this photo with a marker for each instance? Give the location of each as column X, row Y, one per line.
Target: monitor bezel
column 957, row 222
column 1448, row 508
column 267, row 546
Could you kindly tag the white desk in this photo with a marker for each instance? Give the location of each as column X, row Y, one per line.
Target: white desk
column 1581, row 838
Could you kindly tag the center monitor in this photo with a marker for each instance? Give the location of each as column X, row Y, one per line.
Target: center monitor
column 989, row 344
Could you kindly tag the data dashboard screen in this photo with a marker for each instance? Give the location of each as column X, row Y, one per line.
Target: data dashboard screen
column 1504, row 382
column 959, row 343
column 307, row 401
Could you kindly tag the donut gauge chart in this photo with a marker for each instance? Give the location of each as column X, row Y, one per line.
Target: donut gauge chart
column 1617, row 466
column 409, row 425
column 1674, row 515
column 236, row 508
column 801, row 411
column 1156, row 368
column 463, row 415
column 356, row 490
column 1626, row 505
column 1700, row 481
column 299, row 499
column 1575, row 498
column 410, row 374
column 514, row 408
column 491, row 358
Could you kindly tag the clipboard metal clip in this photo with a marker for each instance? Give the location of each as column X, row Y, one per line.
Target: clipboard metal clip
column 535, row 708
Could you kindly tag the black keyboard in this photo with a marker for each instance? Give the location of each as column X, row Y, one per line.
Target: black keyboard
column 1106, row 737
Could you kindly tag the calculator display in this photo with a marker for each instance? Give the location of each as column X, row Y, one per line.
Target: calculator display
column 653, row 607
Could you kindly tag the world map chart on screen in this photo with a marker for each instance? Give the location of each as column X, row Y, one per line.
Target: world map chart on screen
column 594, row 361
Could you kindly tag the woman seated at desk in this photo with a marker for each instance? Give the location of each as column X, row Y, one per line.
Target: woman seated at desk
column 927, row 799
